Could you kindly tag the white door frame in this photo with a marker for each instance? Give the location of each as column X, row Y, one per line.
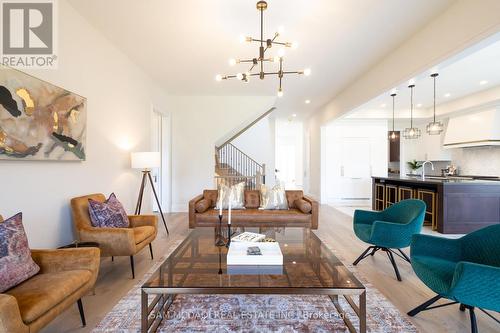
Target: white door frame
column 161, row 140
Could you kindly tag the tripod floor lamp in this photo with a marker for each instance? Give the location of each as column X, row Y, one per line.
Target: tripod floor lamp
column 147, row 161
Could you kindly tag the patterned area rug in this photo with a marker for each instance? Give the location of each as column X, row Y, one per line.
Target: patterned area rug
column 256, row 313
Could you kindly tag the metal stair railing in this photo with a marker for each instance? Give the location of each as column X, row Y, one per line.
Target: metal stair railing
column 234, row 166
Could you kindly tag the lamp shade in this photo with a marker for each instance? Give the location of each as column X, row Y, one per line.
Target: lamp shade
column 145, row 160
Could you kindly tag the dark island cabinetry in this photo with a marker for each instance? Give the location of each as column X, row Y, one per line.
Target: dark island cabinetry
column 453, row 206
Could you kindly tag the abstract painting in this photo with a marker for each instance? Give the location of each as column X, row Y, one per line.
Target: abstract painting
column 38, row 120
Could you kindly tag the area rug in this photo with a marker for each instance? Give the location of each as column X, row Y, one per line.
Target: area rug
column 255, row 313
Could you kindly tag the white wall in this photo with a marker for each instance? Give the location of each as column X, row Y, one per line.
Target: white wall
column 198, row 122
column 119, row 98
column 463, row 24
column 258, row 142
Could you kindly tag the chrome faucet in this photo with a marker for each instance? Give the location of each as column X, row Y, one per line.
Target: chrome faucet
column 423, row 168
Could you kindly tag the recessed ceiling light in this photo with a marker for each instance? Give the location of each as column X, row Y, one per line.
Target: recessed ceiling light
column 447, row 95
column 419, row 105
column 294, row 115
column 307, row 101
column 383, row 105
column 483, row 82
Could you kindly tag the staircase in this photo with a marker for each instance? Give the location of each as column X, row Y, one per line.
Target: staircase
column 232, row 166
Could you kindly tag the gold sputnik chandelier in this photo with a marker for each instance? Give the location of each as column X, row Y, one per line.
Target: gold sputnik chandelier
column 258, row 62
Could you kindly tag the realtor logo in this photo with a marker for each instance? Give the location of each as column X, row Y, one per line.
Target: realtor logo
column 28, row 33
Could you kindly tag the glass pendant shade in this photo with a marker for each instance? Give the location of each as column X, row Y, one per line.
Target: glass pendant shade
column 435, row 127
column 411, row 132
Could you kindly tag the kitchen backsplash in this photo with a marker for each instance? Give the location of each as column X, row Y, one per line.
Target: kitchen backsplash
column 482, row 161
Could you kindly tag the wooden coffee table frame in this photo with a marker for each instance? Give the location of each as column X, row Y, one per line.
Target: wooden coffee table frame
column 156, row 300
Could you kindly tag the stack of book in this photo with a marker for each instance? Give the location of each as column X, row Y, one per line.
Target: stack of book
column 248, row 248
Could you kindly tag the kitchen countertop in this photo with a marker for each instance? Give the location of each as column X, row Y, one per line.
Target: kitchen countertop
column 444, row 181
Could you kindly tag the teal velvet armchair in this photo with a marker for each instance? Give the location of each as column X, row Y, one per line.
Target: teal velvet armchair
column 464, row 270
column 389, row 230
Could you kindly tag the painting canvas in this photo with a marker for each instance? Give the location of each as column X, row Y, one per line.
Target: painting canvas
column 38, row 120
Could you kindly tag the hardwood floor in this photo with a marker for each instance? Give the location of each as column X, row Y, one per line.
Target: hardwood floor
column 335, row 228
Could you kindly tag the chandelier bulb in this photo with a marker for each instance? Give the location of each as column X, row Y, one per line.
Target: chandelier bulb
column 218, row 77
column 232, row 62
column 295, row 45
column 239, row 76
column 242, row 39
column 393, row 136
column 281, row 29
column 280, row 92
column 307, row 71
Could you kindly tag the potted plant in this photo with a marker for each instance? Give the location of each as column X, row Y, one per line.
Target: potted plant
column 414, row 166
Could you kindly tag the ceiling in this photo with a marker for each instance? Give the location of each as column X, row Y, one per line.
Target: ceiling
column 184, row 44
column 474, row 70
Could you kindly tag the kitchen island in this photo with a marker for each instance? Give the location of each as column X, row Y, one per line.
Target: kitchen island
column 454, row 205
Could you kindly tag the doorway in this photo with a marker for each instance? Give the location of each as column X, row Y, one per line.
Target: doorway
column 161, row 142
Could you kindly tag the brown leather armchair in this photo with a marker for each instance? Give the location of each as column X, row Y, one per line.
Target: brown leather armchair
column 114, row 241
column 65, row 276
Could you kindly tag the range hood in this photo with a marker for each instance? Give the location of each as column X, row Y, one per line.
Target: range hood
column 474, row 130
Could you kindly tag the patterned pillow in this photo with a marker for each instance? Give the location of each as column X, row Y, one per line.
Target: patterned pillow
column 235, row 192
column 108, row 214
column 16, row 264
column 274, row 198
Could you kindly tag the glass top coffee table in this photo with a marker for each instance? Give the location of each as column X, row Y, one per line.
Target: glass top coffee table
column 197, row 266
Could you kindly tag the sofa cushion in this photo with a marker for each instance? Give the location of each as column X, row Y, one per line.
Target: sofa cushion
column 16, row 264
column 141, row 233
column 304, row 206
column 257, row 215
column 42, row 292
column 293, row 195
column 203, row 205
column 108, row 214
column 252, row 199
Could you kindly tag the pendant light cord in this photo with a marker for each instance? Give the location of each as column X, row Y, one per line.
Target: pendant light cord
column 411, row 106
column 393, row 112
column 435, row 98
column 393, row 103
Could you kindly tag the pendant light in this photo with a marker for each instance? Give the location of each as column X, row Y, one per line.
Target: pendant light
column 411, row 132
column 392, row 134
column 434, row 127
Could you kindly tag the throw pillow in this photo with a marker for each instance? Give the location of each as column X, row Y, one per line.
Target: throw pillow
column 16, row 264
column 304, row 206
column 234, row 193
column 108, row 214
column 274, row 198
column 202, row 205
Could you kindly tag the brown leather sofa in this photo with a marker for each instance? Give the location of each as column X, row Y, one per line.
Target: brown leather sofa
column 65, row 276
column 114, row 241
column 303, row 211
